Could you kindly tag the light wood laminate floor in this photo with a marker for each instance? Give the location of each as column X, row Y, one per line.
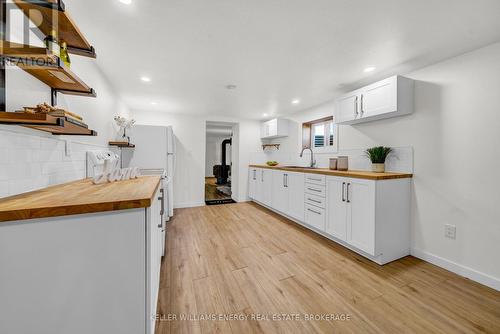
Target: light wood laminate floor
column 245, row 262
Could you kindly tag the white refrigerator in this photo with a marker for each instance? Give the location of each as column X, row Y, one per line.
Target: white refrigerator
column 154, row 149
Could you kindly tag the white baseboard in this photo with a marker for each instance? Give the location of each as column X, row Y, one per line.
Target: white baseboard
column 188, row 205
column 459, row 269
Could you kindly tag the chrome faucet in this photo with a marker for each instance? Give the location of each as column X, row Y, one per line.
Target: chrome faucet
column 313, row 162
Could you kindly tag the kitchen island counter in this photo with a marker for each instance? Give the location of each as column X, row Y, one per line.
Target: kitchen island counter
column 80, row 197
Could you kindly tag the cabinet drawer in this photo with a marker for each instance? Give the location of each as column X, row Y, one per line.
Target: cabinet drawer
column 316, row 179
column 315, row 217
column 315, row 189
column 315, row 200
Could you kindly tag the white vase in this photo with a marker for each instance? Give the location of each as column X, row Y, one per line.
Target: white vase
column 378, row 168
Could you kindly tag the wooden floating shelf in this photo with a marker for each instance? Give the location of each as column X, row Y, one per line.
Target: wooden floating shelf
column 18, row 118
column 276, row 146
column 27, row 53
column 121, row 144
column 47, row 123
column 44, row 13
column 46, row 67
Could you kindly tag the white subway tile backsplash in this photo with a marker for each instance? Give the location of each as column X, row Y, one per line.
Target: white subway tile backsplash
column 20, row 155
column 47, row 156
column 4, row 188
column 29, row 162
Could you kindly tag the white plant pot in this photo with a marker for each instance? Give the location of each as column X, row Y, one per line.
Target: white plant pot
column 378, row 168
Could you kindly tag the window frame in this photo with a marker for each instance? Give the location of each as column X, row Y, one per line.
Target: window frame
column 308, row 133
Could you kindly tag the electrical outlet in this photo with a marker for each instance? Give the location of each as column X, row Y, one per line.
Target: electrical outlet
column 450, row 231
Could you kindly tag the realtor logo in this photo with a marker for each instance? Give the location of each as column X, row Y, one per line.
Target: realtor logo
column 29, row 31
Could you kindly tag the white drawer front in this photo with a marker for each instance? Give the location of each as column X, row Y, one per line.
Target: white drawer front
column 315, row 217
column 315, row 200
column 315, row 189
column 316, row 179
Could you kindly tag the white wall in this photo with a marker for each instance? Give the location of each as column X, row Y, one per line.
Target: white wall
column 31, row 159
column 455, row 132
column 189, row 130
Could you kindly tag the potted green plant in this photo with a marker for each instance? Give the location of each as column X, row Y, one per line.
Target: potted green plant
column 377, row 156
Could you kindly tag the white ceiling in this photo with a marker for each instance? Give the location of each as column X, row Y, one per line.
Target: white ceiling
column 273, row 50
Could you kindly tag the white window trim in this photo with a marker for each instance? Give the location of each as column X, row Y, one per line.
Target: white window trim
column 327, row 149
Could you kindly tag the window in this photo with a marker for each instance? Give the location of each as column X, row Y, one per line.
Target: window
column 320, row 135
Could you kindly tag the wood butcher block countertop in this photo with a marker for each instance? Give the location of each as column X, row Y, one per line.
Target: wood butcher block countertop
column 80, row 197
column 349, row 173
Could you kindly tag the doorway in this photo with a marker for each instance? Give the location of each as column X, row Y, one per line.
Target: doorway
column 219, row 163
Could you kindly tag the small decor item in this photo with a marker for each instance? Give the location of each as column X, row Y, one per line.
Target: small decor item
column 377, row 156
column 64, row 54
column 333, row 163
column 124, row 124
column 272, row 163
column 343, row 163
column 51, row 43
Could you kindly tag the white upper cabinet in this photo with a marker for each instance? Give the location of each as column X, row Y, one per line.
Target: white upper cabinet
column 384, row 99
column 274, row 128
column 347, row 108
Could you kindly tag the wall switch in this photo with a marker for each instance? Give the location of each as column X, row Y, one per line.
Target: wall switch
column 450, row 231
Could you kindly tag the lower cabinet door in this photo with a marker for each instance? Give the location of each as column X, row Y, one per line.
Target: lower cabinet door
column 336, row 224
column 295, row 186
column 252, row 182
column 266, row 188
column 361, row 214
column 316, row 217
column 280, row 192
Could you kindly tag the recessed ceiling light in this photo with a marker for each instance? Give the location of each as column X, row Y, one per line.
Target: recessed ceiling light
column 126, row 2
column 296, row 101
column 154, row 103
column 231, row 87
column 146, row 79
column 264, row 115
column 369, row 69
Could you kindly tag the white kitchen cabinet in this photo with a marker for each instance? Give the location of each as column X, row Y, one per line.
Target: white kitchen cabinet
column 288, row 193
column 315, row 217
column 274, row 128
column 337, row 209
column 252, row 182
column 387, row 98
column 86, row 273
column 295, row 185
column 360, row 200
column 280, row 191
column 264, row 186
column 347, row 108
column 369, row 216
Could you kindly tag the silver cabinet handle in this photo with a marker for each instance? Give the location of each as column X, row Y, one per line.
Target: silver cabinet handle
column 286, row 180
column 316, row 212
column 262, row 176
column 310, row 178
column 313, row 200
column 343, row 188
column 348, row 195
column 362, row 105
column 254, row 174
column 162, row 199
column 356, row 106
column 316, row 190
